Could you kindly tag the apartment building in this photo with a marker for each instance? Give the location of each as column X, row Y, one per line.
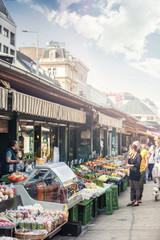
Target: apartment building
column 7, row 32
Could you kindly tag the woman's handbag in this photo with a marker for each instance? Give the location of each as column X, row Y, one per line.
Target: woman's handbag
column 133, row 170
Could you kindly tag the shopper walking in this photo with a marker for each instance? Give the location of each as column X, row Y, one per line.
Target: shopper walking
column 134, row 176
column 151, row 161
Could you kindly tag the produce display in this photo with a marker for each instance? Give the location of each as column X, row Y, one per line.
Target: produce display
column 5, row 222
column 33, row 220
column 6, row 191
column 17, row 176
column 94, row 174
column 14, row 177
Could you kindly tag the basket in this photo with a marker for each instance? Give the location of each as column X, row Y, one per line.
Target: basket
column 29, row 235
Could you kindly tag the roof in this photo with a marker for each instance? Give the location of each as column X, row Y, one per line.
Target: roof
column 136, row 107
column 28, row 65
column 4, row 10
column 60, row 52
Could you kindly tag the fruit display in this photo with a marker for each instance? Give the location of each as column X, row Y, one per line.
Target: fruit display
column 108, row 171
column 14, row 177
column 17, row 177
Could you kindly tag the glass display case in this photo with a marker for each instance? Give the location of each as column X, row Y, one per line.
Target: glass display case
column 52, row 185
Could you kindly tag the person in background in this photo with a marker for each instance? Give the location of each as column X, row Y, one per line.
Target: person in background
column 134, row 163
column 157, row 163
column 143, row 168
column 151, row 161
column 10, row 160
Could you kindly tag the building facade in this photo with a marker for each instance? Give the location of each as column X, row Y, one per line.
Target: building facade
column 7, row 32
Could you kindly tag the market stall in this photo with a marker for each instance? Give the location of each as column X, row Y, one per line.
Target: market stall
column 45, row 194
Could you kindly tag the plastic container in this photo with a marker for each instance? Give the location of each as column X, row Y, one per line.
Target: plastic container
column 108, row 194
column 114, row 197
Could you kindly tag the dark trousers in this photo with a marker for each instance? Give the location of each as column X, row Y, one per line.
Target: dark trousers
column 141, row 183
column 150, row 168
column 135, row 190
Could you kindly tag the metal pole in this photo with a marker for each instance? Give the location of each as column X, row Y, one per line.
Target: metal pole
column 37, row 57
column 37, row 49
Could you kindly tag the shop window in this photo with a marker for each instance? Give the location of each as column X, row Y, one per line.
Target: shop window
column 5, row 49
column 45, row 143
column 26, row 142
column 5, row 32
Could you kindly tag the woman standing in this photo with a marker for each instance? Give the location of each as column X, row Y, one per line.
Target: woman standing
column 151, row 161
column 134, row 163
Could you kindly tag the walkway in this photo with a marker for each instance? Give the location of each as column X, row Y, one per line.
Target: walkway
column 127, row 223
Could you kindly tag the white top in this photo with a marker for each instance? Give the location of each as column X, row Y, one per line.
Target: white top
column 151, row 158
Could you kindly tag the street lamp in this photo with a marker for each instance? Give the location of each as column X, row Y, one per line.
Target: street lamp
column 37, row 52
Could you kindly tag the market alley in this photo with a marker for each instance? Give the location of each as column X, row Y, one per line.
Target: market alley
column 127, row 223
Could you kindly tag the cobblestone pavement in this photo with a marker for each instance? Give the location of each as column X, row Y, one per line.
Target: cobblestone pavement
column 127, row 223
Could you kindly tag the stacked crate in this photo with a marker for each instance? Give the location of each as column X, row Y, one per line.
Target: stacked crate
column 85, row 211
column 101, row 201
column 95, row 207
column 73, row 213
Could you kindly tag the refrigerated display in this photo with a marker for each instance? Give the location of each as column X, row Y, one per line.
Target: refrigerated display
column 52, row 185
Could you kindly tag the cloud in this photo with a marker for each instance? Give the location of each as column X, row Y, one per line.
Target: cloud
column 149, row 66
column 42, row 10
column 65, row 4
column 24, row 1
column 122, row 26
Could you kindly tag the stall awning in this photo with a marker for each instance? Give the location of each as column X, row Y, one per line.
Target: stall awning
column 145, row 133
column 3, row 98
column 154, row 134
column 109, row 121
column 35, row 106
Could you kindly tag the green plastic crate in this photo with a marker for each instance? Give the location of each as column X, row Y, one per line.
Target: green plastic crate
column 125, row 183
column 73, row 213
column 101, row 201
column 95, row 207
column 108, row 194
column 85, row 212
column 114, row 197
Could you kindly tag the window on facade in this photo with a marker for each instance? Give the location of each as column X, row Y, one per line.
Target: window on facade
column 138, row 117
column 5, row 49
column 0, row 47
column 0, row 28
column 12, row 52
column 5, row 32
column 49, row 70
column 54, row 72
column 52, row 55
column 12, row 39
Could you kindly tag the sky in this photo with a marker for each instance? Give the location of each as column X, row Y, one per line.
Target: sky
column 118, row 40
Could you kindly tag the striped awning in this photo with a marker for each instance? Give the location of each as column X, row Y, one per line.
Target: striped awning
column 109, row 121
column 37, row 107
column 3, row 98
